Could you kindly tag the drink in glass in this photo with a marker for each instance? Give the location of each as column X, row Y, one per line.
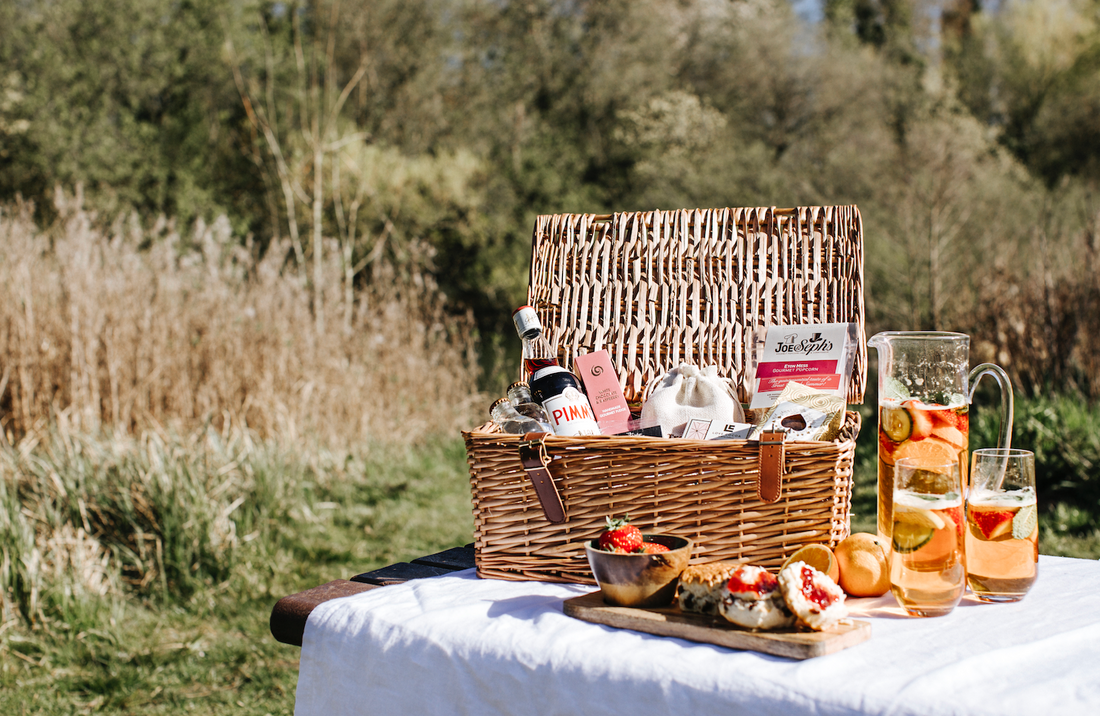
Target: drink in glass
column 1002, row 525
column 927, row 562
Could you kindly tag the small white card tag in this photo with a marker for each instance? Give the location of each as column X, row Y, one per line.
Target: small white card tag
column 730, row 431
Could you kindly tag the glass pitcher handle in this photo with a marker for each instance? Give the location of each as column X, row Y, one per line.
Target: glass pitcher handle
column 1004, row 439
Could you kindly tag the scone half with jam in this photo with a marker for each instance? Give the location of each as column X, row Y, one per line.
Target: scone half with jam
column 752, row 599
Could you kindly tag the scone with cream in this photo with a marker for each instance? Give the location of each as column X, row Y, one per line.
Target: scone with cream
column 816, row 600
column 701, row 586
column 752, row 600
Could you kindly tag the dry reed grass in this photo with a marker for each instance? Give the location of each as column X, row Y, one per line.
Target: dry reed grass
column 137, row 329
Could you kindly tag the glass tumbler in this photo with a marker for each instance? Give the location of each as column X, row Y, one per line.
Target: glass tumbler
column 1002, row 525
column 927, row 557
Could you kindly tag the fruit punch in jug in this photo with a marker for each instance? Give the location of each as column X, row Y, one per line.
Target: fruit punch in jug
column 928, row 432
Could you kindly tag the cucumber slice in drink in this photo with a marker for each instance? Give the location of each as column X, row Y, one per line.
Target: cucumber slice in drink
column 897, row 424
column 911, row 537
column 1023, row 524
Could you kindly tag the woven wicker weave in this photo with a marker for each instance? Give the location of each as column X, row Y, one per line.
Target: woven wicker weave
column 656, row 289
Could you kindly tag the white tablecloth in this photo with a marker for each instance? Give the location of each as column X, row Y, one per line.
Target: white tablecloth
column 462, row 645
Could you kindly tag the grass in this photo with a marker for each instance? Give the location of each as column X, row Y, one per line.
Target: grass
column 194, row 638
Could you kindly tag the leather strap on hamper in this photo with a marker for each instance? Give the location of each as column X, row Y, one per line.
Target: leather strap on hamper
column 772, row 453
column 532, row 453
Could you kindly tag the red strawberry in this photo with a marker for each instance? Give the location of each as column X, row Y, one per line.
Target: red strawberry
column 886, row 445
column 620, row 536
column 653, row 548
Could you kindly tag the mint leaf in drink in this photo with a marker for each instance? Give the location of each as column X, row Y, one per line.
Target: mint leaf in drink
column 947, row 398
column 894, row 389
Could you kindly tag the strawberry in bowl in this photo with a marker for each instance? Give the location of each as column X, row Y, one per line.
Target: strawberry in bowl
column 635, row 569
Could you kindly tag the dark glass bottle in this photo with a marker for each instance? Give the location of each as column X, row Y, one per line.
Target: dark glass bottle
column 559, row 392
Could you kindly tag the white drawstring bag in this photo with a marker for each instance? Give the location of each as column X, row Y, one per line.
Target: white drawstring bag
column 687, row 393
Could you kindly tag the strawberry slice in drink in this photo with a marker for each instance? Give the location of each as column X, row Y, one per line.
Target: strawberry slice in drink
column 946, row 416
column 991, row 523
column 921, row 420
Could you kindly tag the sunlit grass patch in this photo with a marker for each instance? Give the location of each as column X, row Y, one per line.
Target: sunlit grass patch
column 239, row 522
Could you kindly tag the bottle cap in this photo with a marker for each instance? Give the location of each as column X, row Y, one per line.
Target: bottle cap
column 526, row 320
column 519, row 392
column 497, row 402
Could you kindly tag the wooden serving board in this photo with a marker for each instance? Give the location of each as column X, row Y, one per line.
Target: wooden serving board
column 670, row 621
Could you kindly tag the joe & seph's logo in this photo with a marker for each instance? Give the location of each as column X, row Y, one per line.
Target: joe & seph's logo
column 807, row 346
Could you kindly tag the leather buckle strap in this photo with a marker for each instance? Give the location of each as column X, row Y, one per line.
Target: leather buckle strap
column 532, row 454
column 769, row 485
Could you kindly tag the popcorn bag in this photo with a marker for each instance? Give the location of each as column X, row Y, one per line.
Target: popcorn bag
column 663, row 292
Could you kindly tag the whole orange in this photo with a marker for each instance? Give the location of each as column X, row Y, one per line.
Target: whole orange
column 864, row 571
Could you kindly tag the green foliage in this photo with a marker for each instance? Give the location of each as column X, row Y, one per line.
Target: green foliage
column 289, row 117
column 1031, row 72
column 130, row 98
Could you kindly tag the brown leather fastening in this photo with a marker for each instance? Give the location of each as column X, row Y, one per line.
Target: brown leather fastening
column 772, row 453
column 532, row 453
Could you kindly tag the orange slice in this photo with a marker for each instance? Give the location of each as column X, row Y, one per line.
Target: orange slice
column 930, row 451
column 817, row 556
column 951, row 435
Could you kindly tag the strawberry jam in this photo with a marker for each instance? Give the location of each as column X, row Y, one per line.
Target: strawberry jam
column 813, row 593
column 752, row 580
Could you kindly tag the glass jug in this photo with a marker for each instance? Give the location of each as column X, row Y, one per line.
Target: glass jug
column 924, row 395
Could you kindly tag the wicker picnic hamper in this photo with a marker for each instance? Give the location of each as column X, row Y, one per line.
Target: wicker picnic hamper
column 656, row 289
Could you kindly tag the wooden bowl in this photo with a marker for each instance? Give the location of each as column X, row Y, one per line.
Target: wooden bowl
column 640, row 580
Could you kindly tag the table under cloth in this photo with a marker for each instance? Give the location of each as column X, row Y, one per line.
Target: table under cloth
column 458, row 644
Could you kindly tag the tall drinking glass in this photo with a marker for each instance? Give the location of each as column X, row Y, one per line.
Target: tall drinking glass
column 927, row 557
column 1002, row 536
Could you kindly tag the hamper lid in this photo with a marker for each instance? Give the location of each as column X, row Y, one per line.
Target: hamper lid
column 659, row 288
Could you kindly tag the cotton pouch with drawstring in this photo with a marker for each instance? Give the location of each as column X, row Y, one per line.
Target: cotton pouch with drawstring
column 688, row 392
